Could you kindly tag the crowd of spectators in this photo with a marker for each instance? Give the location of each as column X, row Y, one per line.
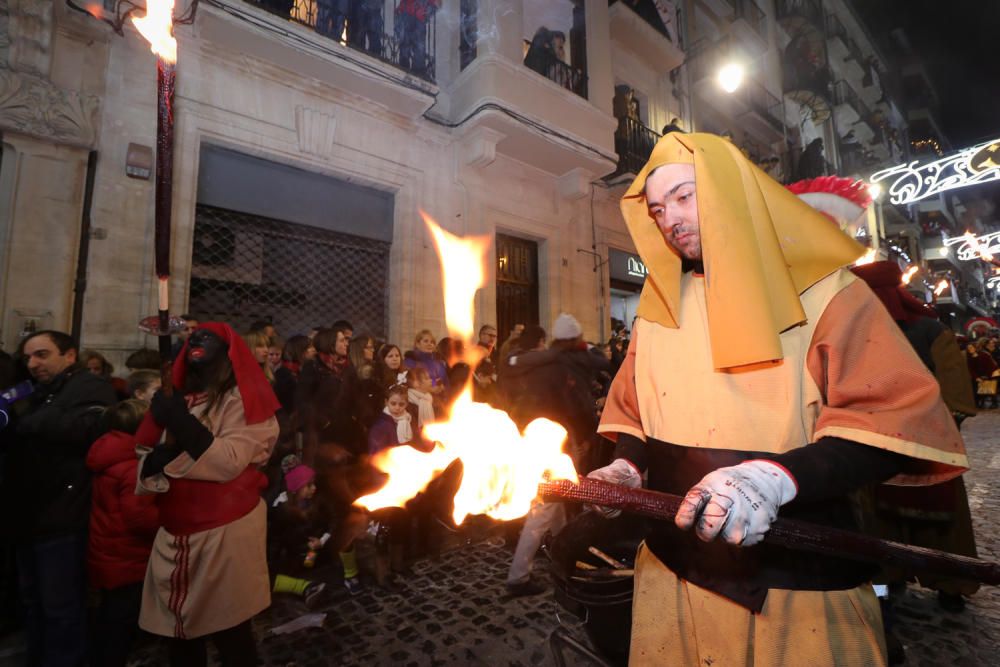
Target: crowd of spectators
column 69, row 464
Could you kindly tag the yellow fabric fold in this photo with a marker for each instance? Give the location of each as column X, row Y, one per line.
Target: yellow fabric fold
column 762, row 247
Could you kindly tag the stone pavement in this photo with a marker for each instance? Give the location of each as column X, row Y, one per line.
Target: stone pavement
column 453, row 611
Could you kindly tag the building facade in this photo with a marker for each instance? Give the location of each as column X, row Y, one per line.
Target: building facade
column 308, row 142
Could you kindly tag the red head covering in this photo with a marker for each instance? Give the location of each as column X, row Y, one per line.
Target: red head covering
column 259, row 401
column 886, row 280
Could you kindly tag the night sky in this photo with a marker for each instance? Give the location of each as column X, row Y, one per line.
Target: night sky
column 960, row 42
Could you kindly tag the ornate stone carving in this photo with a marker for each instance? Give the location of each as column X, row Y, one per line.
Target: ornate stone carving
column 32, row 105
column 29, row 35
column 315, row 131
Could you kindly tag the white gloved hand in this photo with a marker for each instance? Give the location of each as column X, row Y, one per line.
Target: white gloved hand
column 619, row 471
column 740, row 502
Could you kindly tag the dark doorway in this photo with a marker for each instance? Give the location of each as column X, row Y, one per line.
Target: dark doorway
column 517, row 283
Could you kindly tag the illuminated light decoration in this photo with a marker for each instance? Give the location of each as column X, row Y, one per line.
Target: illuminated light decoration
column 941, row 287
column 908, row 275
column 913, row 182
column 972, row 247
column 993, row 282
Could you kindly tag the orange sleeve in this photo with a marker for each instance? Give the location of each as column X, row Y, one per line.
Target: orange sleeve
column 621, row 409
column 877, row 392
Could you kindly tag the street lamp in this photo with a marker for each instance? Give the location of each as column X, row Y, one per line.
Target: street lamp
column 730, row 77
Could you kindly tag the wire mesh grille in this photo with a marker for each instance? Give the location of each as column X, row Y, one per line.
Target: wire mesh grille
column 246, row 268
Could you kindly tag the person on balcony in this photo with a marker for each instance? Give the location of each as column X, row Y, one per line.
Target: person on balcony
column 331, row 17
column 364, row 31
column 412, row 17
column 540, row 53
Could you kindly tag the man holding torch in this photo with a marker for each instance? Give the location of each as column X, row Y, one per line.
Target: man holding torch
column 762, row 377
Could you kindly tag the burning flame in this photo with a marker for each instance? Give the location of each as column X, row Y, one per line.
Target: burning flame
column 501, row 466
column 977, row 247
column 157, row 27
column 867, row 258
column 908, row 275
column 941, row 287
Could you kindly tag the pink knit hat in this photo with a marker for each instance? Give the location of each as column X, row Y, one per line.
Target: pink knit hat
column 298, row 477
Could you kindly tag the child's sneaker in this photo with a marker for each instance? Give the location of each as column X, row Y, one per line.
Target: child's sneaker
column 311, row 595
column 353, row 585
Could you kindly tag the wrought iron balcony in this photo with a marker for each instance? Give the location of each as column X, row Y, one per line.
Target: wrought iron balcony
column 753, row 15
column 844, row 94
column 361, row 25
column 634, row 143
column 548, row 65
column 810, row 10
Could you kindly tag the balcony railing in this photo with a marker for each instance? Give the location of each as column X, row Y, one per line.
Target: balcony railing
column 649, row 13
column 633, row 142
column 752, row 14
column 844, row 94
column 808, row 9
column 834, row 28
column 361, row 25
column 548, row 65
column 759, row 99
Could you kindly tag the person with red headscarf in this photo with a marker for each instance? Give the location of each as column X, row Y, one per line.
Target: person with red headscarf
column 207, row 575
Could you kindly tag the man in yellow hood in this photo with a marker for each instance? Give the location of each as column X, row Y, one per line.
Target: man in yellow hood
column 762, row 378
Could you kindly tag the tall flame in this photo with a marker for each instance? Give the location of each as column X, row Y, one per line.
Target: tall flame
column 909, row 273
column 941, row 287
column 157, row 27
column 502, row 467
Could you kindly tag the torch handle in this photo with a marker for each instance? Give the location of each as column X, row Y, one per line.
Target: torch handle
column 788, row 533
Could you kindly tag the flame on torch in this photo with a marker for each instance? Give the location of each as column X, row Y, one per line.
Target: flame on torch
column 867, row 258
column 941, row 287
column 502, row 467
column 157, row 27
column 909, row 273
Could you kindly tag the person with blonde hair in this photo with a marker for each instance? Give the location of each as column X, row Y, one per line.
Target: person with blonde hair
column 260, row 345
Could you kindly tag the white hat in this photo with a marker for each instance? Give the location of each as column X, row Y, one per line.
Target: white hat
column 566, row 327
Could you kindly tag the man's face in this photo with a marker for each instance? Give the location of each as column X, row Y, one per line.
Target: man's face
column 45, row 361
column 95, row 366
column 488, row 338
column 269, row 331
column 343, row 341
column 673, row 206
column 517, row 331
column 204, row 347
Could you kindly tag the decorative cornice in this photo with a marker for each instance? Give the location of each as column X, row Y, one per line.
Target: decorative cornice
column 315, row 131
column 34, row 106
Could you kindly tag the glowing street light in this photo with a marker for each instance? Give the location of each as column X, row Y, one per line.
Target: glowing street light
column 875, row 190
column 730, row 77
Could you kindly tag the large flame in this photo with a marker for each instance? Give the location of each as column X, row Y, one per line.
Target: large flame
column 502, row 467
column 157, row 27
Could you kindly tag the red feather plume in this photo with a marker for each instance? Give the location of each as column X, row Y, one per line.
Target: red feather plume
column 851, row 190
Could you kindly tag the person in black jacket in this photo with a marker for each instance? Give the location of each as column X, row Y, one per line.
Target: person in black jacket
column 46, row 465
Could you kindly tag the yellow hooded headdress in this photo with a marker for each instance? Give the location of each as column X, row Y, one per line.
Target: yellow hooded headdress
column 762, row 247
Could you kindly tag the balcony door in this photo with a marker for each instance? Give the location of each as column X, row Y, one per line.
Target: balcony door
column 517, row 282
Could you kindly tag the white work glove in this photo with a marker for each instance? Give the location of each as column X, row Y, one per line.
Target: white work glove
column 740, row 502
column 619, row 471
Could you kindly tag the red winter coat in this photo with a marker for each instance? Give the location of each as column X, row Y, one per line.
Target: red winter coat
column 122, row 524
